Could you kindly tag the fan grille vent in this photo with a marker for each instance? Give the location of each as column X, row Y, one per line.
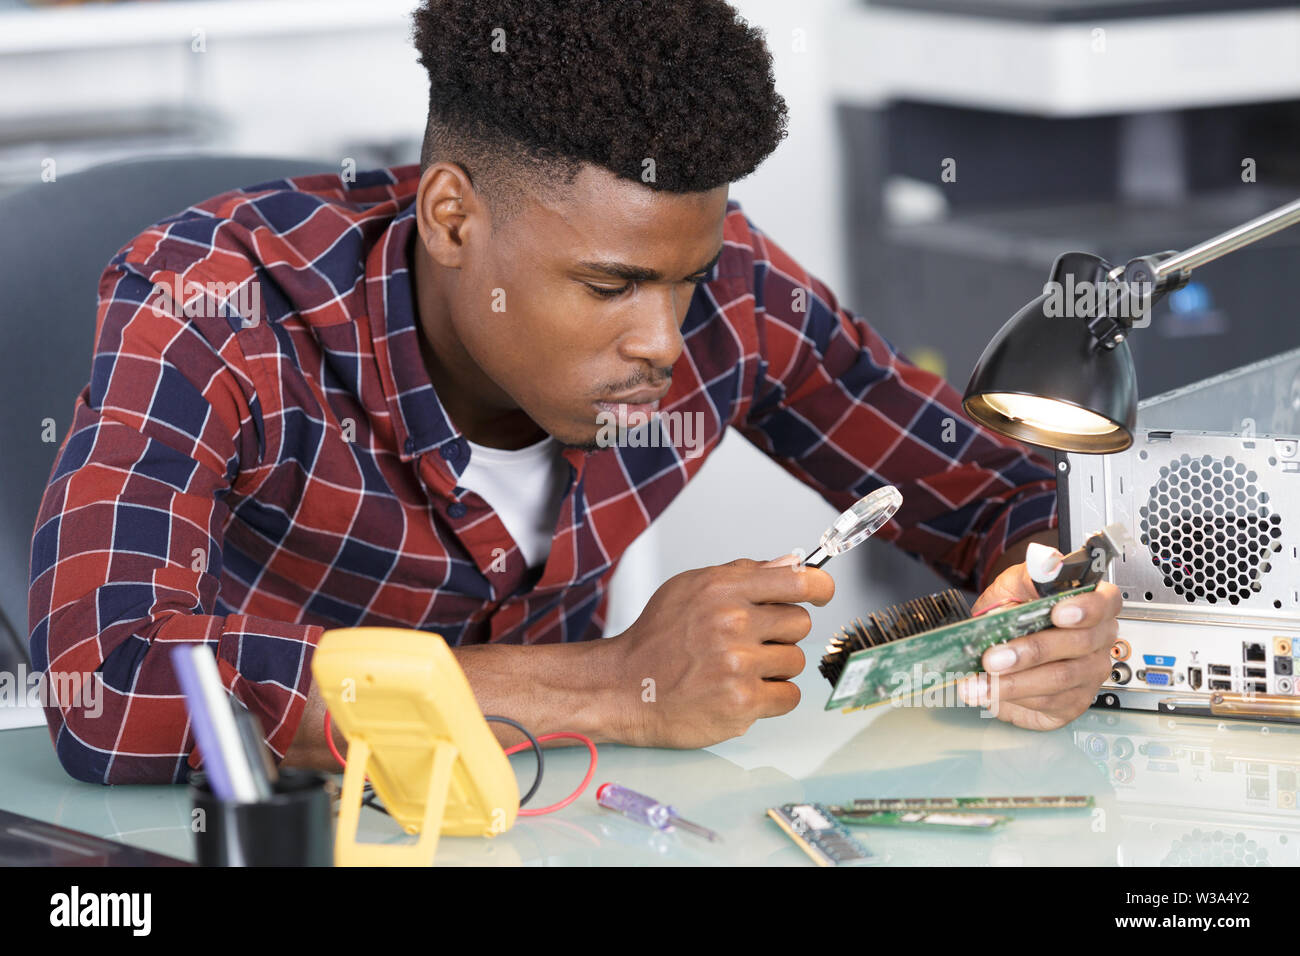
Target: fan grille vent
column 1209, row 529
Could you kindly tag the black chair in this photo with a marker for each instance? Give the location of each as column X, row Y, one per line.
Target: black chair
column 55, row 240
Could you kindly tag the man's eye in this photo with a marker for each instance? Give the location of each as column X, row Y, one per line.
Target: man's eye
column 709, row 276
column 607, row 293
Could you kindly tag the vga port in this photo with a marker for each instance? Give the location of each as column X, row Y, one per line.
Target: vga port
column 1158, row 676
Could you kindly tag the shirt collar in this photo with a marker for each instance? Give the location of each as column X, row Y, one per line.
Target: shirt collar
column 420, row 423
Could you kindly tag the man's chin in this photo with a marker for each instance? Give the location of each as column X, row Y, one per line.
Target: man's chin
column 588, row 447
column 585, row 440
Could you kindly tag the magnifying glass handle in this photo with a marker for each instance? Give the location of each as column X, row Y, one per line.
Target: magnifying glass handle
column 818, row 557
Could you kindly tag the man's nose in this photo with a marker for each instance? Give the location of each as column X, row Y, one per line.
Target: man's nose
column 655, row 335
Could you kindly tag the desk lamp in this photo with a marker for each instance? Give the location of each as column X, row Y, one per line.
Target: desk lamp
column 1060, row 373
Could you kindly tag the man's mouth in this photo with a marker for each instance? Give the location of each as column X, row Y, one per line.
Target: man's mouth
column 644, row 401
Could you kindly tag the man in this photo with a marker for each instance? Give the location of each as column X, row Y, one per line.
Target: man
column 385, row 401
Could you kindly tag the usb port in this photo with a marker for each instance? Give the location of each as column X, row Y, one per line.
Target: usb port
column 1220, row 670
column 1220, row 685
column 1258, row 687
column 1261, row 672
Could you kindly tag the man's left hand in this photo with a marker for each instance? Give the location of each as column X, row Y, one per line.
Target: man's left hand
column 1044, row 680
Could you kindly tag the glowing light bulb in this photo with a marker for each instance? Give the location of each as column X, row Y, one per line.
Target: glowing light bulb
column 1048, row 414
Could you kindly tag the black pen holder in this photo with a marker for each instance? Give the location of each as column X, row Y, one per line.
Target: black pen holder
column 295, row 827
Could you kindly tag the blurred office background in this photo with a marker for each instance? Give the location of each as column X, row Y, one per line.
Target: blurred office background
column 1121, row 127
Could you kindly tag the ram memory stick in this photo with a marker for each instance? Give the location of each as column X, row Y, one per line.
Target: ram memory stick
column 816, row 832
column 876, row 805
column 922, row 819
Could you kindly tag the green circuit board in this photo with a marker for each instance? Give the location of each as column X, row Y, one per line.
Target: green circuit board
column 923, row 820
column 909, row 668
column 869, row 805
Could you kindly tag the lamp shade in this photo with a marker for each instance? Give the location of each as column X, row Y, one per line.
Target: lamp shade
column 1043, row 379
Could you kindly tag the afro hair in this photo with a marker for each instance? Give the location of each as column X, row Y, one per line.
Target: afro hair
column 675, row 94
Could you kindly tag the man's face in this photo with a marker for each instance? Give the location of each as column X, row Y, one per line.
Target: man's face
column 574, row 306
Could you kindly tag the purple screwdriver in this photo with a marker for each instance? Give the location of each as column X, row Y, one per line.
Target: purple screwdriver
column 643, row 809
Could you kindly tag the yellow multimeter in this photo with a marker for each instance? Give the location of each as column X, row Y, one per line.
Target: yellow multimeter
column 413, row 726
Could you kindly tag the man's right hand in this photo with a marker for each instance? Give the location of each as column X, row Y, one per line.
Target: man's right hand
column 719, row 645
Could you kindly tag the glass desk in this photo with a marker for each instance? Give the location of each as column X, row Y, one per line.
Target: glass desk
column 1167, row 792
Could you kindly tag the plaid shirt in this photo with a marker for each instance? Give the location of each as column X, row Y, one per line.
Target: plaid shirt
column 260, row 456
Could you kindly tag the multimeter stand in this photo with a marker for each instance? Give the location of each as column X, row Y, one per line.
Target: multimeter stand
column 348, row 851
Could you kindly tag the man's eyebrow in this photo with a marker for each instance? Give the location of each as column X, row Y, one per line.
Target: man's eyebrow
column 631, row 273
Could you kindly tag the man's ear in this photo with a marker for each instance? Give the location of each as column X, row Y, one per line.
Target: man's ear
column 447, row 208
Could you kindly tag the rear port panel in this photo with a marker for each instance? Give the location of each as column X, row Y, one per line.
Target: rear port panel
column 1162, row 660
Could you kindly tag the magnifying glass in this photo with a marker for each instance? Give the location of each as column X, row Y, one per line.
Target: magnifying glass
column 856, row 525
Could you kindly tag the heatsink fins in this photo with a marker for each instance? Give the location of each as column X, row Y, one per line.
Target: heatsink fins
column 894, row 622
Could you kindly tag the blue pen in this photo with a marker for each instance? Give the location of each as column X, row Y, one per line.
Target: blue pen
column 204, row 732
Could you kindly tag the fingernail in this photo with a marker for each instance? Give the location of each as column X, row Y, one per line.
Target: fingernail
column 975, row 690
column 1068, row 614
column 1000, row 659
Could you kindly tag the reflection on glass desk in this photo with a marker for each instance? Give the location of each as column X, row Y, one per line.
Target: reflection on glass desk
column 1197, row 791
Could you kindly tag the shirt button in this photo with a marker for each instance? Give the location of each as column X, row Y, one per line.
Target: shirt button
column 456, row 509
column 451, row 450
column 409, row 446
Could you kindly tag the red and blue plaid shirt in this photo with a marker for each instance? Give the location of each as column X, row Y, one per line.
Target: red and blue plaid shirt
column 262, row 457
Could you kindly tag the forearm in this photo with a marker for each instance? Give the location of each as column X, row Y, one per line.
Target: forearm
column 547, row 688
column 309, row 749
column 551, row 687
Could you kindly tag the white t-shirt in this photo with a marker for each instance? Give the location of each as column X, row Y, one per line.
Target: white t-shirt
column 525, row 487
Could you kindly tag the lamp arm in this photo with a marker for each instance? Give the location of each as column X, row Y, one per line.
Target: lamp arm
column 1147, row 279
column 1258, row 228
column 1166, row 271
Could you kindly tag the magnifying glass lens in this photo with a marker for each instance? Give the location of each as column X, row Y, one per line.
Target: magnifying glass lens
column 857, row 524
column 862, row 520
